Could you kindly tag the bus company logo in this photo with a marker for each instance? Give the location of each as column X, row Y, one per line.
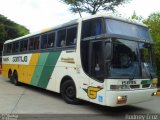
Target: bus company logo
column 6, row 59
column 128, row 82
column 68, row 60
column 92, row 91
column 20, row 59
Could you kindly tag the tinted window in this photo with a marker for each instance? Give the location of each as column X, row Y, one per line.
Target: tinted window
column 71, row 36
column 9, row 48
column 31, row 44
column 23, row 45
column 51, row 39
column 15, row 47
column 5, row 49
column 34, row 43
column 128, row 29
column 47, row 40
column 44, row 41
column 92, row 28
column 61, row 38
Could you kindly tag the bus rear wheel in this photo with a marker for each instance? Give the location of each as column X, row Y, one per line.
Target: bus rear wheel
column 10, row 76
column 68, row 92
column 15, row 79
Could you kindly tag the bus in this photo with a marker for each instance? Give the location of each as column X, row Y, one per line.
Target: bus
column 101, row 59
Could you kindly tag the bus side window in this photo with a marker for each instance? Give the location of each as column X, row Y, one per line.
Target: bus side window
column 23, row 45
column 9, row 48
column 5, row 49
column 15, row 47
column 44, row 41
column 51, row 40
column 61, row 38
column 36, row 43
column 71, row 36
column 31, row 44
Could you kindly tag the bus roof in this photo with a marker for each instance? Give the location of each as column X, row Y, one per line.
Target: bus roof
column 73, row 22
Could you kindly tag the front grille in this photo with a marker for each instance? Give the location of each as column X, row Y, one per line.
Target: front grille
column 134, row 86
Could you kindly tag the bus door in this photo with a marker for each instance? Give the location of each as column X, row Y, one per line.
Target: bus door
column 95, row 69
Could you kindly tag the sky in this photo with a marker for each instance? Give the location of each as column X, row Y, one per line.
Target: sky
column 40, row 14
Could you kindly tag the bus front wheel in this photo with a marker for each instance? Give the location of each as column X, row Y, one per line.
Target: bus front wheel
column 68, row 92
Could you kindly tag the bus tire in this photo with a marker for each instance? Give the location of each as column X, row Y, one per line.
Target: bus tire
column 10, row 76
column 15, row 79
column 68, row 92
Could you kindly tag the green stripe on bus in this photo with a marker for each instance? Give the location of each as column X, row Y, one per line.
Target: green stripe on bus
column 48, row 69
column 39, row 68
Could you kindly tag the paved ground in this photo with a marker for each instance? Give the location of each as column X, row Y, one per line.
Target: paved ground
column 34, row 103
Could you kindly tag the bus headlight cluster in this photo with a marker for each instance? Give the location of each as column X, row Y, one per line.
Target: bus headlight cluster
column 121, row 99
column 119, row 87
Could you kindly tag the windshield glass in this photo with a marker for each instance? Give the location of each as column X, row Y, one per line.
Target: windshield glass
column 131, row 60
column 124, row 63
column 147, row 60
column 124, row 28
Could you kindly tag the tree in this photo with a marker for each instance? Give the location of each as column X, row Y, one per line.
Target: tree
column 153, row 21
column 10, row 29
column 136, row 17
column 93, row 6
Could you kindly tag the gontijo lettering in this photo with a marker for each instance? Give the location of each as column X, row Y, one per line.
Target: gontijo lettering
column 20, row 59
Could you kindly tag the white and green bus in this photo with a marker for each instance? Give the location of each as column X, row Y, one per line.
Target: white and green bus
column 101, row 59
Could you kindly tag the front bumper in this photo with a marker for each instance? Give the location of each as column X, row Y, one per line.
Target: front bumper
column 134, row 96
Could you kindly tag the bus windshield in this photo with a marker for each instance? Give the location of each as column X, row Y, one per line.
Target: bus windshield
column 127, row 51
column 147, row 60
column 123, row 28
column 131, row 60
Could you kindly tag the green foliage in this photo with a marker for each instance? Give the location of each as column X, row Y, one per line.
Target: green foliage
column 136, row 17
column 153, row 21
column 93, row 6
column 10, row 29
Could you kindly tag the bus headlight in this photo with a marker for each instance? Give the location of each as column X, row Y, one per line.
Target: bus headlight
column 119, row 87
column 154, row 94
column 121, row 99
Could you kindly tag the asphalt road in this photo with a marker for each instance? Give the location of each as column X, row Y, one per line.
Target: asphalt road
column 31, row 103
